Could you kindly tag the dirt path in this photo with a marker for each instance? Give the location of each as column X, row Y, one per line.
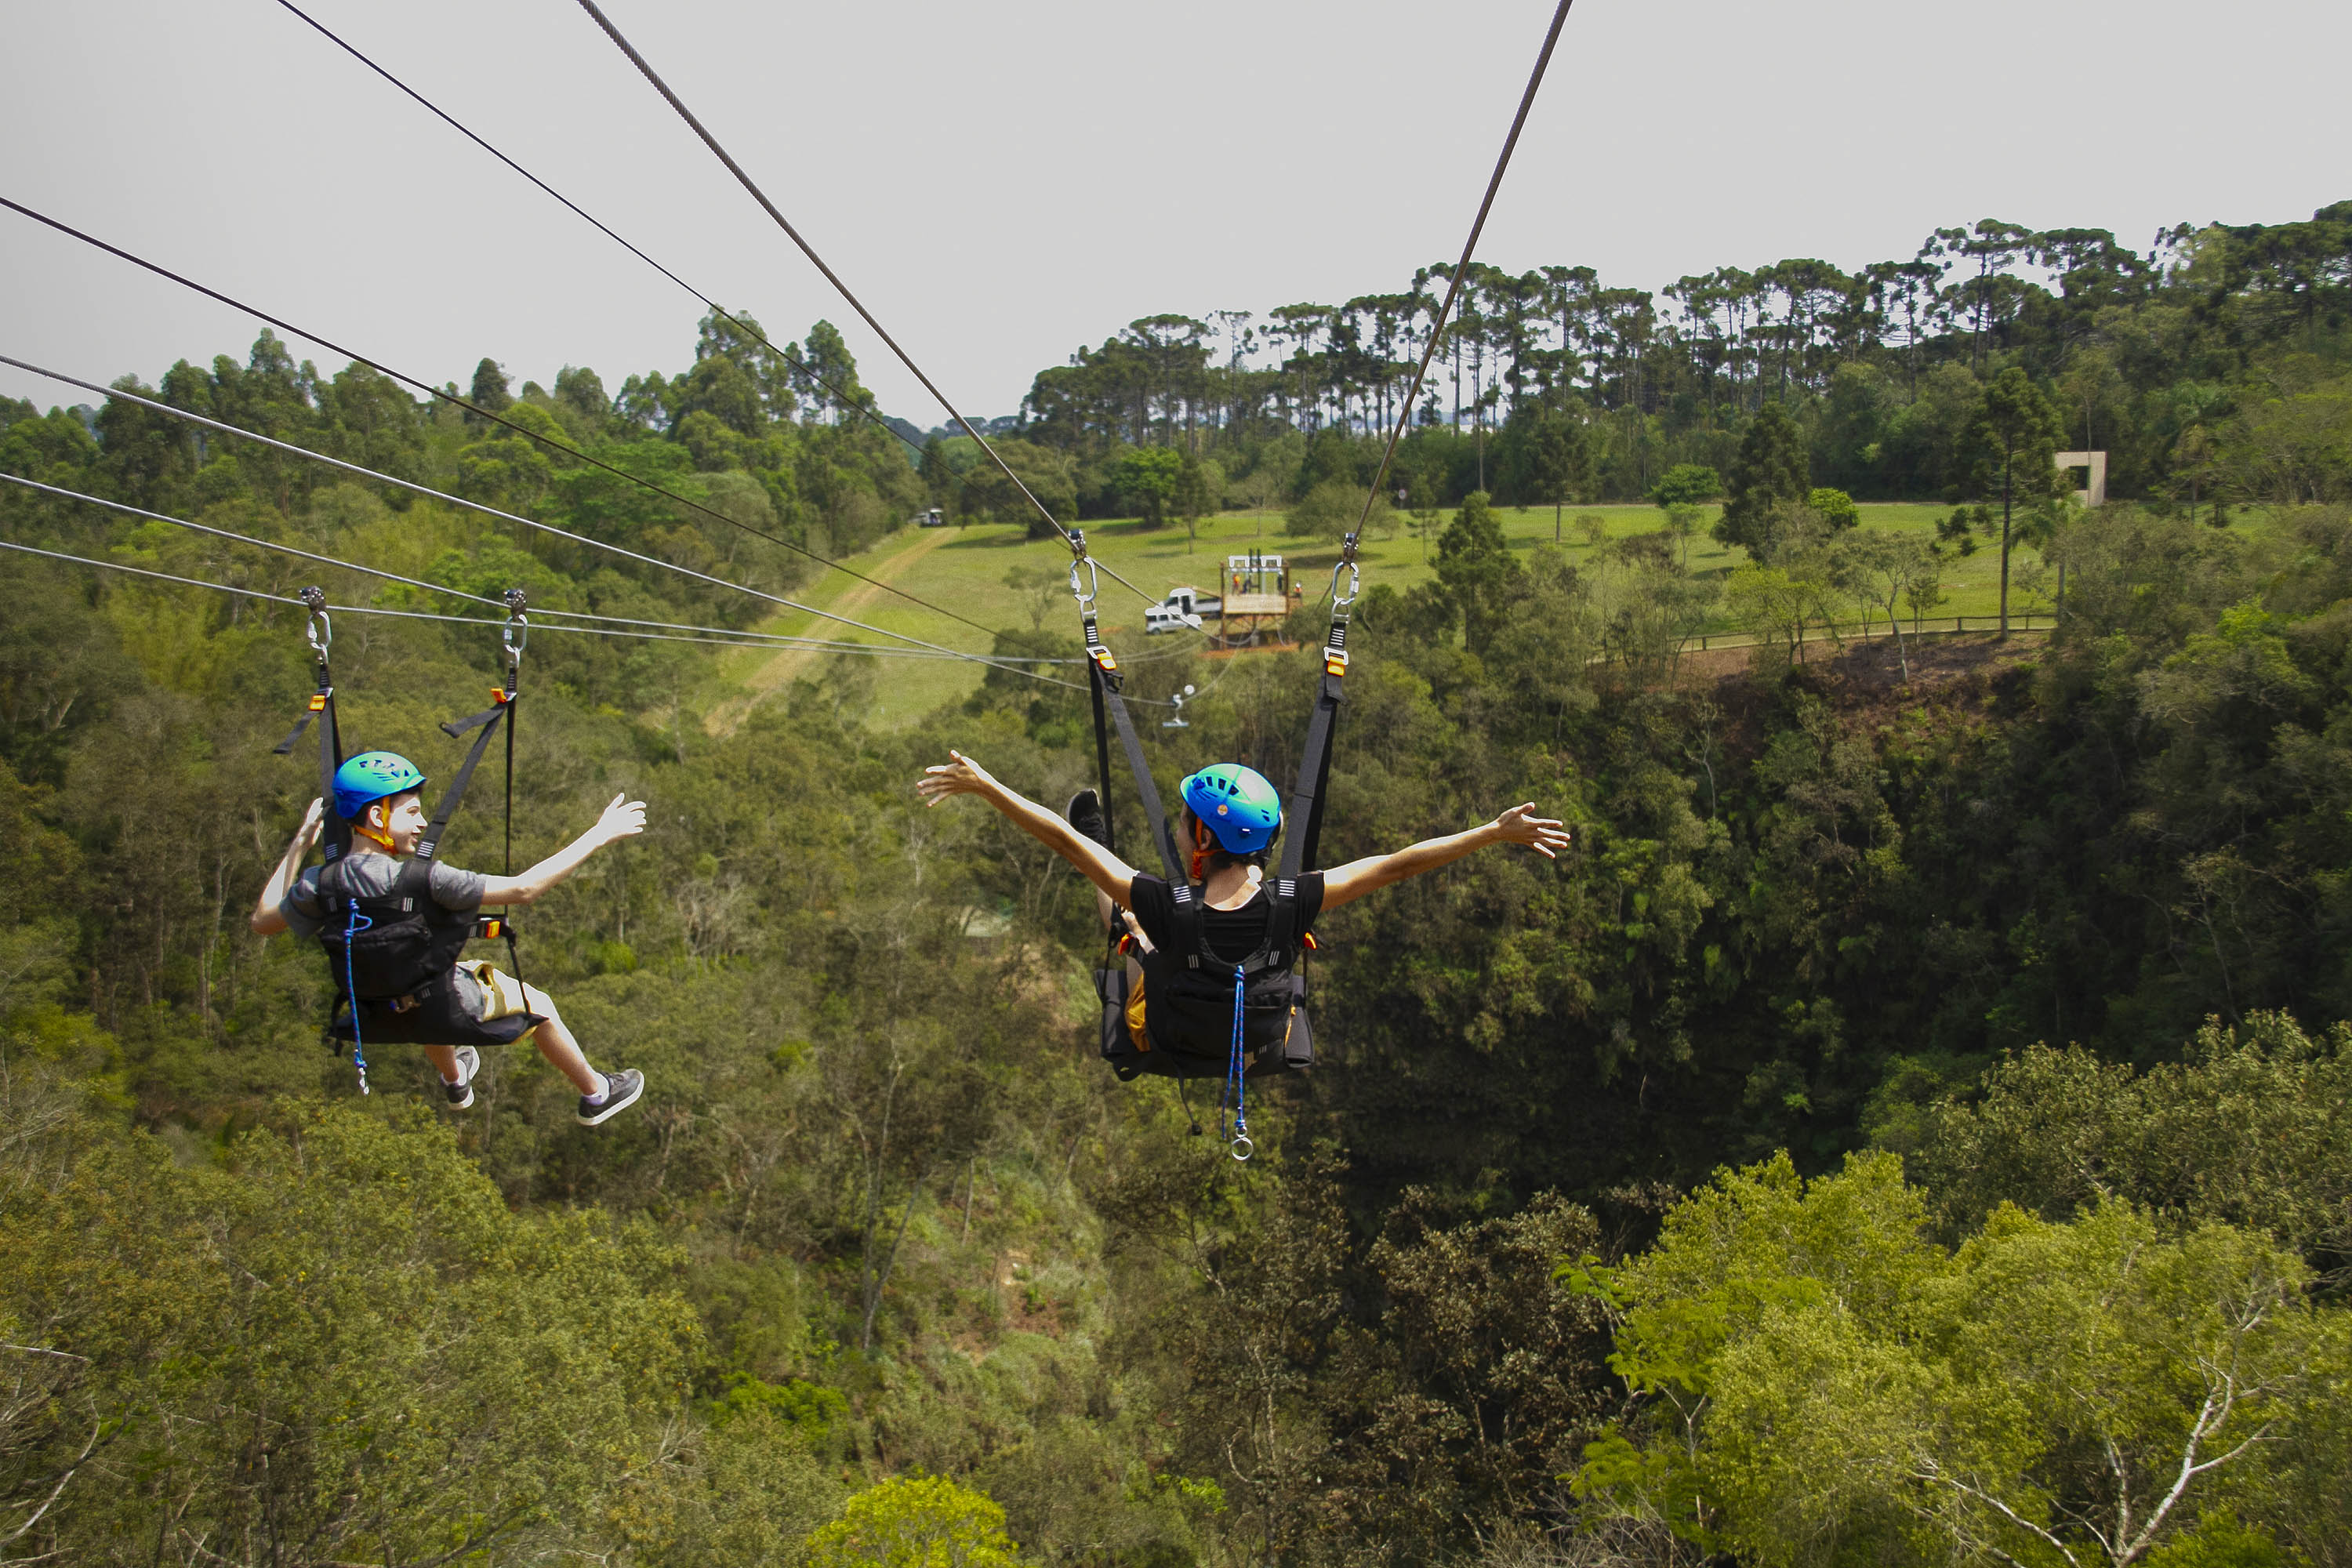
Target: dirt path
column 790, row 663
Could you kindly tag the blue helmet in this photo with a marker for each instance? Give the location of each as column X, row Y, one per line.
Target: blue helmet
column 1239, row 806
column 369, row 777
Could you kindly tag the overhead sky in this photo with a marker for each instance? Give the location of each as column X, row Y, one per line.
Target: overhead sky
column 1004, row 183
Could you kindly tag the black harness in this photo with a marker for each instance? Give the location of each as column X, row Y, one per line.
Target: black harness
column 393, row 954
column 1207, row 1017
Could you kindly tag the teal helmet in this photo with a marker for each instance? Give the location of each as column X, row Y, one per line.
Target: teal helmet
column 1239, row 806
column 369, row 777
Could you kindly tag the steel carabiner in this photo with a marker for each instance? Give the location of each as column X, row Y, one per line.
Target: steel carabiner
column 1347, row 562
column 1087, row 593
column 322, row 628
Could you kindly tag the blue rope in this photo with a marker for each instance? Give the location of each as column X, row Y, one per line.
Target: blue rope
column 1238, row 1133
column 352, row 928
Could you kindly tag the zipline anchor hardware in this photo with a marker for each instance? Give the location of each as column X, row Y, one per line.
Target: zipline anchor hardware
column 1087, row 593
column 322, row 629
column 515, row 635
column 1335, row 647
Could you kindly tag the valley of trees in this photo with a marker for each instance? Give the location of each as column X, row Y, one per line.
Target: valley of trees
column 1913, row 1126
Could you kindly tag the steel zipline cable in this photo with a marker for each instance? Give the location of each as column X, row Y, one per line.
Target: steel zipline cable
column 422, row 614
column 361, row 609
column 732, row 637
column 647, row 71
column 844, row 398
column 427, row 490
column 1462, row 268
column 455, row 401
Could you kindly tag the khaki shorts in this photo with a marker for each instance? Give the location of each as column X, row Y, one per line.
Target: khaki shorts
column 1135, row 1026
column 502, row 994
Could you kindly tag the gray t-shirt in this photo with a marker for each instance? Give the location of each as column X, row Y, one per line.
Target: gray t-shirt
column 372, row 876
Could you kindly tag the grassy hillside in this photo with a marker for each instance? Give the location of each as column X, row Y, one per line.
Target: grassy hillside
column 965, row 570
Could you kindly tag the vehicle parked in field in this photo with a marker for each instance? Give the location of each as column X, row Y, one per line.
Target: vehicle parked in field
column 934, row 518
column 1182, row 610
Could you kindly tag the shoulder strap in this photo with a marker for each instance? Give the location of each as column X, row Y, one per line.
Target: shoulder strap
column 415, row 889
column 1281, row 938
column 411, row 882
column 415, row 881
column 1188, row 930
column 1282, row 915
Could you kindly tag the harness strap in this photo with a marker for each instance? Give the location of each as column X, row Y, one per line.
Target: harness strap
column 1306, row 807
column 506, row 927
column 1189, row 929
column 1102, row 747
column 335, row 833
column 486, row 720
column 1306, row 799
column 1106, row 683
column 514, row 635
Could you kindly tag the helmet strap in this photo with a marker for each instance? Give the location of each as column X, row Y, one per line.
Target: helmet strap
column 361, row 827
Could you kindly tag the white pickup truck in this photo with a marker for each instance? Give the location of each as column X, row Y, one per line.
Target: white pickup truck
column 1182, row 610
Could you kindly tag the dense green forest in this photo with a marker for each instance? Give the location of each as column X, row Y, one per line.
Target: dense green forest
column 2208, row 368
column 1913, row 1125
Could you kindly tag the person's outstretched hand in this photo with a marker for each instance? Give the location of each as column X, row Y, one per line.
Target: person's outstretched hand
column 314, row 821
column 624, row 818
column 961, row 776
column 1520, row 824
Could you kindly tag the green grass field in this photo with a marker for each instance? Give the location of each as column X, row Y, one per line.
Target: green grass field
column 964, row 569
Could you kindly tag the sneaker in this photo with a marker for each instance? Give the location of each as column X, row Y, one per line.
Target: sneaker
column 1085, row 814
column 621, row 1091
column 461, row 1093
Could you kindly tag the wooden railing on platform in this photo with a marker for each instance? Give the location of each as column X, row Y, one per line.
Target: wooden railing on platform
column 1870, row 631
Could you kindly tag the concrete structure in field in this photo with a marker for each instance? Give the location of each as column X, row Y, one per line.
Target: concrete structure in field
column 2097, row 462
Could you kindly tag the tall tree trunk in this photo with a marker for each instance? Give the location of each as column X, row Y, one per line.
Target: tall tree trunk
column 2005, row 493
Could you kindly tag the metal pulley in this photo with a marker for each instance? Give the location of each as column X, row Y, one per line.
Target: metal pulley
column 322, row 628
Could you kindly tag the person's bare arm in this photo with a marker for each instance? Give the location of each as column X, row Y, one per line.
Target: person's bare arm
column 964, row 776
column 265, row 919
column 1346, row 883
column 624, row 818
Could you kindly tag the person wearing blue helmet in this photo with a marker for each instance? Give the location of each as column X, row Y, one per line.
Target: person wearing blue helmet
column 1231, row 818
column 394, row 924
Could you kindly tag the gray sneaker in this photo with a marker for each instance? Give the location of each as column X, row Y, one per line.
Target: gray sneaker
column 621, row 1091
column 461, row 1093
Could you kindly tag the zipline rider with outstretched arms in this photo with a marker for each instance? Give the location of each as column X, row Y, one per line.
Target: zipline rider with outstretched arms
column 1231, row 815
column 394, row 926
